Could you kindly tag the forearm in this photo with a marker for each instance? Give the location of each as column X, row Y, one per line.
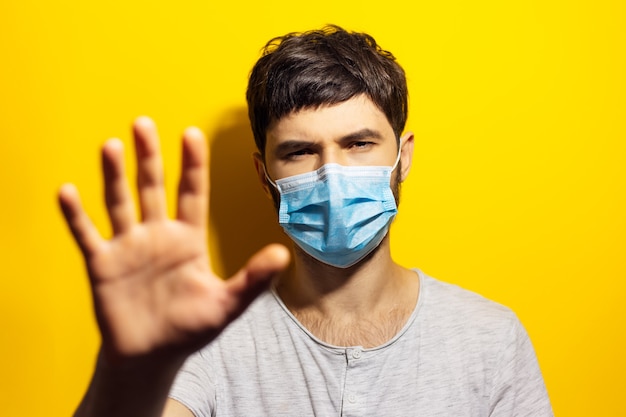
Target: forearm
column 138, row 389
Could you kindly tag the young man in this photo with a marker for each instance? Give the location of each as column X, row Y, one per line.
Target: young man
column 345, row 331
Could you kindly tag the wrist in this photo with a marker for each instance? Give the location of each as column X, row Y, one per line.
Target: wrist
column 129, row 386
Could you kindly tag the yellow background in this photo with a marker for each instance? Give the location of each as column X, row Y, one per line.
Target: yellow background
column 517, row 189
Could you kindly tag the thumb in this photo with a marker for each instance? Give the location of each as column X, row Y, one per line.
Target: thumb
column 255, row 277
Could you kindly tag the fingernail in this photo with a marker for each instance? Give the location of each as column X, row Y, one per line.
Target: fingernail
column 144, row 121
column 193, row 131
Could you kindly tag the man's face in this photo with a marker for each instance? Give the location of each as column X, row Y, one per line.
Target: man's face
column 354, row 132
column 351, row 133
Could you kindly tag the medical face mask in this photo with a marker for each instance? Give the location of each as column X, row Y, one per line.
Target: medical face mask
column 337, row 214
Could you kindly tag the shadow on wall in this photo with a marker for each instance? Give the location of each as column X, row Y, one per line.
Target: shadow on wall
column 243, row 219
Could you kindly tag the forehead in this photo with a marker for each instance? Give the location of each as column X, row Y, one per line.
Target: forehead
column 330, row 122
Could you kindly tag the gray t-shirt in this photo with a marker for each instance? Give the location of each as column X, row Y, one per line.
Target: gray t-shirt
column 459, row 354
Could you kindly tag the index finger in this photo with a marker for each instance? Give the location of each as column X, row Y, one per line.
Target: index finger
column 193, row 188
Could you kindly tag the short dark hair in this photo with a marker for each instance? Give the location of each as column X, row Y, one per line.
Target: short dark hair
column 323, row 67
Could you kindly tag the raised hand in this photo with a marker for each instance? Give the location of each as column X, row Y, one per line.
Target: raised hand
column 153, row 289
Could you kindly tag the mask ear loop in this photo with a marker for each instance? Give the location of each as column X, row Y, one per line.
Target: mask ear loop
column 267, row 177
column 395, row 165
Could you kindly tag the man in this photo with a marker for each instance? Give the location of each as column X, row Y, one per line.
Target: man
column 345, row 331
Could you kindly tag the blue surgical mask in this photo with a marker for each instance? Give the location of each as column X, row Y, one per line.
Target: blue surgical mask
column 337, row 214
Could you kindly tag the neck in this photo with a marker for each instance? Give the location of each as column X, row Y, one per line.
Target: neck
column 329, row 300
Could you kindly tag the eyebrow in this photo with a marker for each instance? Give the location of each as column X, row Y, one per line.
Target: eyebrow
column 365, row 133
column 294, row 144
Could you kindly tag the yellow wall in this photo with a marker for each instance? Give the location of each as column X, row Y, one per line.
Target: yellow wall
column 517, row 191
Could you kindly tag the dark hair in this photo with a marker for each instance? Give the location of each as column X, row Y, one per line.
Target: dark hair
column 323, row 67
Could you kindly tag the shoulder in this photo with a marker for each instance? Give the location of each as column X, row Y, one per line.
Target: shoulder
column 467, row 328
column 455, row 313
column 442, row 298
column 466, row 337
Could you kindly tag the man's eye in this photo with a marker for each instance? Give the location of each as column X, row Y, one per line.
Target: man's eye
column 362, row 144
column 299, row 153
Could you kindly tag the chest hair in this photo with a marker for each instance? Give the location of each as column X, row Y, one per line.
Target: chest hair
column 369, row 330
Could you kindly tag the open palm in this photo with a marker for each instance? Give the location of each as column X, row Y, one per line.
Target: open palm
column 153, row 287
